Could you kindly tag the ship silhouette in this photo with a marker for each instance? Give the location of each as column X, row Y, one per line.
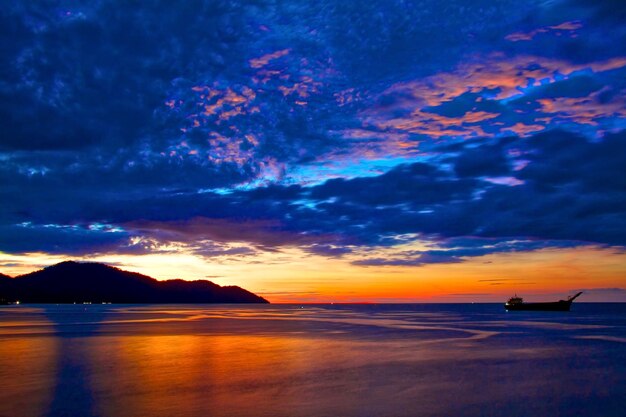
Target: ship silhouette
column 517, row 304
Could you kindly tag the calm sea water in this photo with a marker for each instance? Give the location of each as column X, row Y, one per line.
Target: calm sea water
column 313, row 360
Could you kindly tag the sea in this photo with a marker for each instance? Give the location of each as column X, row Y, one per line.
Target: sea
column 312, row 360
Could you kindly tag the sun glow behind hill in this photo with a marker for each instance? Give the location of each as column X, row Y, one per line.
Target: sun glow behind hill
column 542, row 274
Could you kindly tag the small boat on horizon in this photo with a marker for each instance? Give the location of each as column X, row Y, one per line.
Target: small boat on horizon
column 517, row 304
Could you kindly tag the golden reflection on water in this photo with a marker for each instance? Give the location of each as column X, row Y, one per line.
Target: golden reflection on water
column 27, row 374
column 251, row 375
column 222, row 375
column 208, row 375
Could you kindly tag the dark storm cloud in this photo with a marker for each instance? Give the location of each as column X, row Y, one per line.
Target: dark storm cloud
column 416, row 184
column 419, row 260
column 597, row 21
column 572, row 190
column 97, row 77
column 89, row 72
column 470, row 247
column 383, row 39
column 328, row 250
column 580, row 86
column 262, row 233
column 464, row 103
column 458, row 250
column 68, row 189
column 211, row 250
column 482, row 161
column 611, row 11
column 191, row 124
column 59, row 239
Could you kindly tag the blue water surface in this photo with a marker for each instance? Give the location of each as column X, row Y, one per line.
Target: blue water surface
column 311, row 360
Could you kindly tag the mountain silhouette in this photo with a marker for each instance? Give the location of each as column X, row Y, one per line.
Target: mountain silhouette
column 75, row 282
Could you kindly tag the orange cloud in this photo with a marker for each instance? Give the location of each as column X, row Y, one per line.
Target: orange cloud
column 583, row 110
column 265, row 59
column 506, row 75
column 496, row 75
column 569, row 28
column 522, row 129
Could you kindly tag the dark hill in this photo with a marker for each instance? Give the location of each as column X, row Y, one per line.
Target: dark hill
column 69, row 282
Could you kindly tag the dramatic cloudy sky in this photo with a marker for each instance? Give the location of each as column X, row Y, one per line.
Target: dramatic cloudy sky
column 378, row 150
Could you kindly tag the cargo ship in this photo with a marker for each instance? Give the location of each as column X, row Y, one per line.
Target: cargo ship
column 517, row 304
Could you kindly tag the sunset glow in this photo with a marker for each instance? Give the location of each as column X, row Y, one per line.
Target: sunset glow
column 313, row 154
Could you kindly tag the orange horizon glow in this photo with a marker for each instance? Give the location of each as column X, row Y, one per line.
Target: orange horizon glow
column 291, row 276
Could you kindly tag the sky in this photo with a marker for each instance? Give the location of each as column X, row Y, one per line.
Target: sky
column 320, row 151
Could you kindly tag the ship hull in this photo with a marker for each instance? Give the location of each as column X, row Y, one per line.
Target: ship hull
column 555, row 306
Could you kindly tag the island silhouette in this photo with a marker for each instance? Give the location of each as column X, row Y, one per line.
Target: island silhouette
column 89, row 282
